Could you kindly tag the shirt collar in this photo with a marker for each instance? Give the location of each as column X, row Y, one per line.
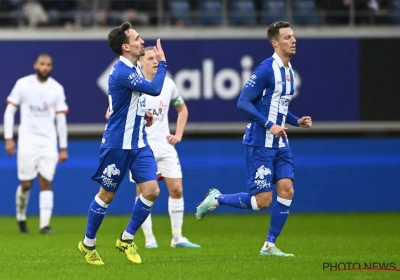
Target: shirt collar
column 126, row 61
column 279, row 61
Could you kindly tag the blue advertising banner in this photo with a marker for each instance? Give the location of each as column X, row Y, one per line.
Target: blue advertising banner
column 209, row 74
column 331, row 175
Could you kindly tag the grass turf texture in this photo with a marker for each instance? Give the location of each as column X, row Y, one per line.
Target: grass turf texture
column 230, row 248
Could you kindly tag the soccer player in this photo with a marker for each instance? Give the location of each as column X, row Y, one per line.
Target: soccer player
column 42, row 103
column 265, row 99
column 162, row 143
column 124, row 145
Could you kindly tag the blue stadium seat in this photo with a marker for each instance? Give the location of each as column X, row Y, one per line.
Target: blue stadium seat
column 180, row 11
column 304, row 12
column 273, row 10
column 210, row 12
column 242, row 12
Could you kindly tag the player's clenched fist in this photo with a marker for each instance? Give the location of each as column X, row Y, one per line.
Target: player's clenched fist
column 305, row 122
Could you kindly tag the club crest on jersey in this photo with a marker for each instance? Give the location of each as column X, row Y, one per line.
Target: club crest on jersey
column 131, row 76
column 288, row 77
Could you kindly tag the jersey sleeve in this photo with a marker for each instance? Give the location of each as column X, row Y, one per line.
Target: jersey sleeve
column 130, row 79
column 176, row 100
column 16, row 94
column 259, row 80
column 252, row 91
column 61, row 105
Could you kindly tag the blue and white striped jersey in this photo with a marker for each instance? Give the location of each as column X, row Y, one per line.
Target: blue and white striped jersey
column 127, row 89
column 265, row 98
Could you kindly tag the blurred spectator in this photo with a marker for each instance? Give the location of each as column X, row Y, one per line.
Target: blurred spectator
column 91, row 12
column 381, row 10
column 137, row 12
column 61, row 12
column 10, row 12
column 34, row 13
column 336, row 11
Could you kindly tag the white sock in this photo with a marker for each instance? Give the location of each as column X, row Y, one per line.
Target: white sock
column 21, row 202
column 175, row 209
column 147, row 228
column 269, row 244
column 46, row 207
column 214, row 201
column 254, row 203
column 89, row 242
column 286, row 202
column 127, row 236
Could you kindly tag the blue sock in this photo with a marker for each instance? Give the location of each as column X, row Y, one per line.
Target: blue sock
column 237, row 200
column 97, row 210
column 279, row 214
column 141, row 211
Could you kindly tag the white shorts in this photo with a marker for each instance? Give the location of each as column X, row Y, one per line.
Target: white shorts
column 167, row 159
column 34, row 160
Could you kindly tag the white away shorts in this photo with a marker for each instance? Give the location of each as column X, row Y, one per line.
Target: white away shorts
column 34, row 160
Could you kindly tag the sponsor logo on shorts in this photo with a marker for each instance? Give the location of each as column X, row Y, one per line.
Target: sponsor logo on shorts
column 108, row 173
column 260, row 179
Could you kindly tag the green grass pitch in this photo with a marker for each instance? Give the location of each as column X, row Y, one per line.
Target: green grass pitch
column 230, row 248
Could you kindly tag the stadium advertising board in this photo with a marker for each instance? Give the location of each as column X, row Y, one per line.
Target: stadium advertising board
column 209, row 74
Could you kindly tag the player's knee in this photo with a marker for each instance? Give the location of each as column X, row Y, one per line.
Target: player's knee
column 286, row 192
column 150, row 191
column 176, row 191
column 26, row 185
column 106, row 196
column 264, row 200
column 45, row 185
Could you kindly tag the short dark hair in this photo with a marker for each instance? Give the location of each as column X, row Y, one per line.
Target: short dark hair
column 273, row 30
column 43, row 55
column 117, row 37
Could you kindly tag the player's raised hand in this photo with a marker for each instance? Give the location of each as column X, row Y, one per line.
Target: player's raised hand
column 10, row 147
column 159, row 51
column 305, row 122
column 278, row 131
column 149, row 117
column 173, row 139
column 62, row 155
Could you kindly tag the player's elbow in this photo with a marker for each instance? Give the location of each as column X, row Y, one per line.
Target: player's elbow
column 155, row 91
column 240, row 103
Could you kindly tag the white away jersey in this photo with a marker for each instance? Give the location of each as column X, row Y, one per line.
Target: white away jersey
column 159, row 106
column 39, row 102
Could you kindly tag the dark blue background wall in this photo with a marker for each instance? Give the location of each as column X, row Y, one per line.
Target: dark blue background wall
column 325, row 69
column 332, row 175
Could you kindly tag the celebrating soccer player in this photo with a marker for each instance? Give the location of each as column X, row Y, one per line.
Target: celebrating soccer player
column 124, row 145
